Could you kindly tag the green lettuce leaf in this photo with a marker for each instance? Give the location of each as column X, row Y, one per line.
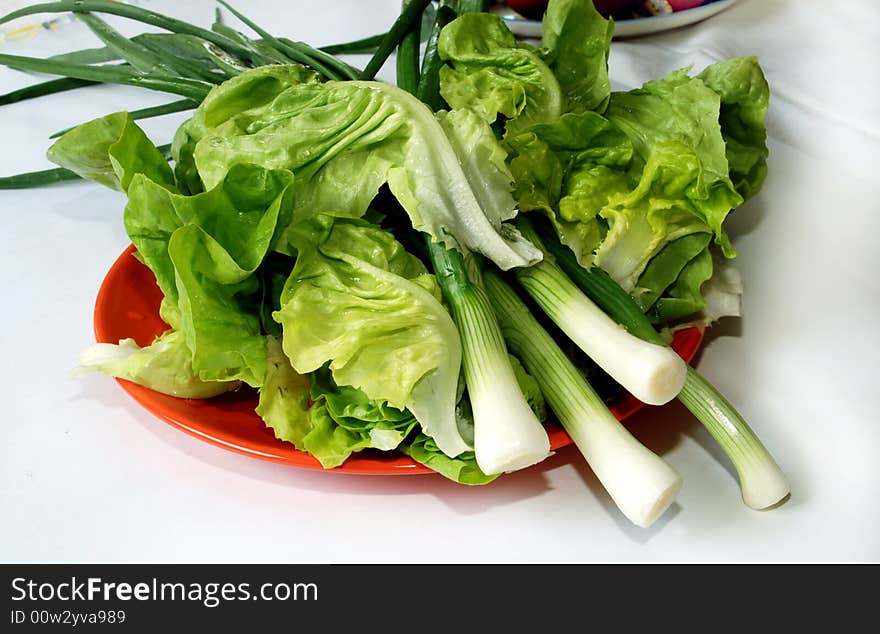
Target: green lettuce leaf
column 658, row 211
column 343, row 140
column 204, row 251
column 685, row 297
column 674, row 127
column 462, row 468
column 538, row 171
column 576, row 40
column 486, row 70
column 353, row 409
column 165, row 366
column 358, row 300
column 745, row 99
column 285, row 407
column 110, row 150
column 327, row 421
column 327, row 441
column 284, row 397
column 484, row 161
column 370, row 423
column 665, row 268
column 652, row 172
column 249, row 92
column 570, row 169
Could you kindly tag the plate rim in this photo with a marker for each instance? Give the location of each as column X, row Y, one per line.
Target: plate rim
column 362, row 463
column 631, row 27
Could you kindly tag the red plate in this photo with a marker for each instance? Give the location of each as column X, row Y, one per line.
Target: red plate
column 128, row 306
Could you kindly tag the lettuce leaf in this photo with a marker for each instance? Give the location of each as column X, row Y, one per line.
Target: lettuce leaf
column 462, row 468
column 366, row 423
column 576, row 40
column 204, row 251
column 358, row 301
column 286, row 408
column 684, row 297
column 569, row 169
column 665, row 268
column 621, row 187
column 110, row 150
column 328, row 421
column 486, row 70
column 343, row 140
column 674, row 127
column 353, row 409
column 484, row 161
column 165, row 366
column 284, row 397
column 670, row 202
column 745, row 99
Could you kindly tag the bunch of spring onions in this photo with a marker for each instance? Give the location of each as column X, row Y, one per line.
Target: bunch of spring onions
column 491, row 308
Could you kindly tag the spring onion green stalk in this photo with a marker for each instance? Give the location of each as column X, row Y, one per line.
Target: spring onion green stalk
column 652, row 373
column 408, row 58
column 507, row 434
column 139, row 57
column 356, row 47
column 144, row 58
column 409, row 19
column 762, row 482
column 429, row 82
column 192, row 88
column 641, row 483
column 98, row 55
column 298, row 52
column 40, row 178
column 145, row 16
column 258, row 48
column 43, row 88
column 344, row 70
column 147, row 113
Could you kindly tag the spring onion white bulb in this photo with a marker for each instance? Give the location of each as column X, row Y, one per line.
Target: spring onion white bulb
column 507, row 434
column 762, row 481
column 652, row 373
column 642, row 484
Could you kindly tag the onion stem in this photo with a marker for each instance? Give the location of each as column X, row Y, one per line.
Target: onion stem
column 642, row 484
column 762, row 482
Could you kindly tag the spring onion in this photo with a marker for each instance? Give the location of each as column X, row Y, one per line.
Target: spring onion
column 762, row 482
column 652, row 373
column 507, row 434
column 145, row 16
column 191, row 88
column 641, row 483
column 42, row 89
column 149, row 112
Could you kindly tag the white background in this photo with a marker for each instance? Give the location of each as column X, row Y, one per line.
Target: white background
column 87, row 475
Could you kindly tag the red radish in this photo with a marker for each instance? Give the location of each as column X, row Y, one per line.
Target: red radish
column 609, row 7
column 682, row 5
column 534, row 9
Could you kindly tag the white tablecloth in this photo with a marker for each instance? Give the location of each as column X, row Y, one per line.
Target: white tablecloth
column 87, row 475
